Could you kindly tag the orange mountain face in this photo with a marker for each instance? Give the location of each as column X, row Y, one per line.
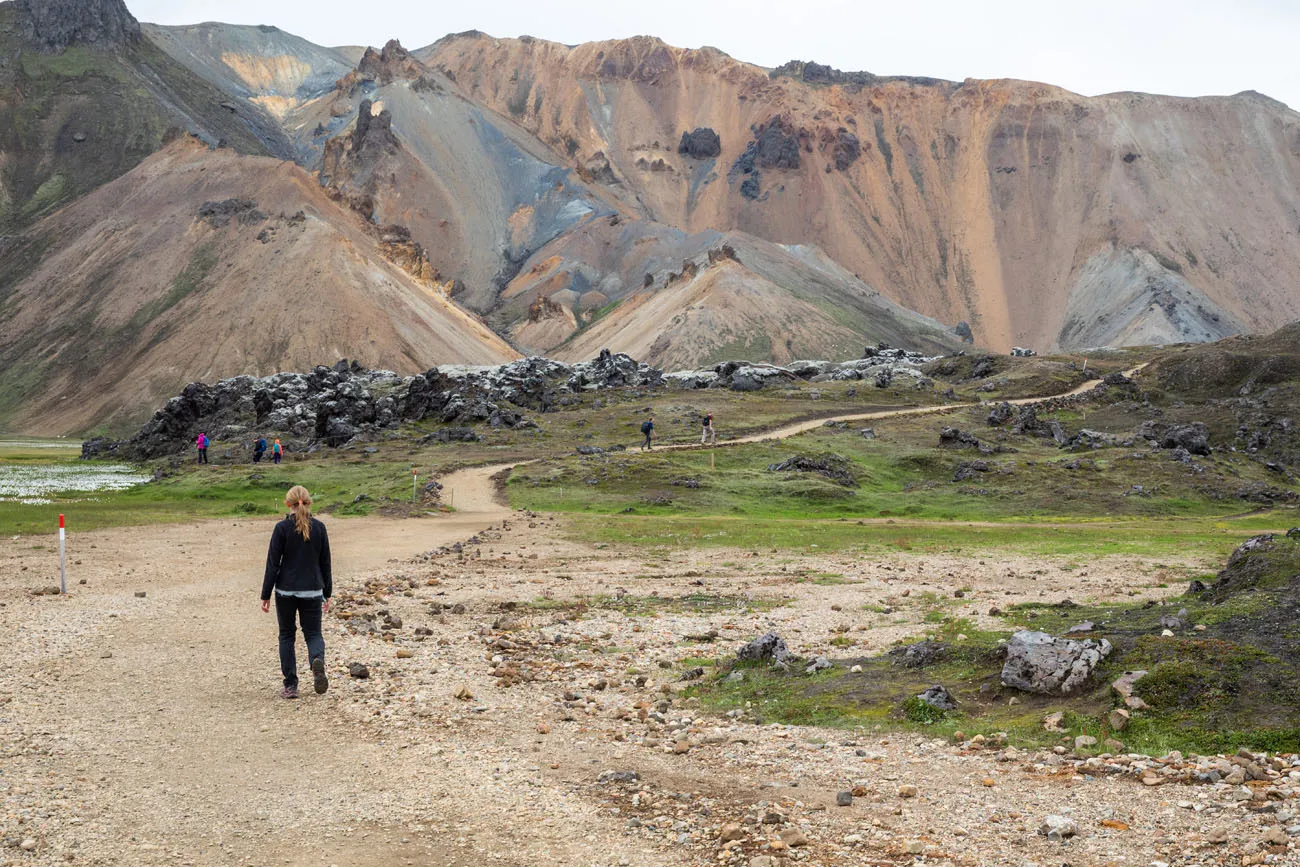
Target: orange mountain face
column 481, row 198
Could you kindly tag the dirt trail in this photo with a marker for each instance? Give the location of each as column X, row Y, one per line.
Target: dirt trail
column 149, row 725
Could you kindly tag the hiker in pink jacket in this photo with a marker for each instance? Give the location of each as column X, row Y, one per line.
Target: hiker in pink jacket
column 202, row 444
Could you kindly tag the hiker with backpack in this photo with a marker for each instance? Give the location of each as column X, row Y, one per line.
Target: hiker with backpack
column 648, row 428
column 259, row 449
column 710, row 435
column 201, row 443
column 277, row 451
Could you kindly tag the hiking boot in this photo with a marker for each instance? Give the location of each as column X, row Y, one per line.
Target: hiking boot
column 289, row 692
column 321, row 682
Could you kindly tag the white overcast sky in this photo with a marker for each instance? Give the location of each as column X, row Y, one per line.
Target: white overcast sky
column 1180, row 47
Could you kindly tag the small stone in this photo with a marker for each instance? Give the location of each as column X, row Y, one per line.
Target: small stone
column 404, row 654
column 1119, row 719
column 464, row 694
column 1058, row 828
column 1219, row 835
column 107, row 654
column 1113, row 745
column 989, row 782
column 731, row 831
column 28, row 845
column 762, row 861
column 1083, row 742
column 857, row 669
column 1052, row 722
column 140, row 594
column 844, row 799
column 907, row 791
column 794, row 838
column 914, row 847
column 359, row 671
column 1276, row 836
column 682, row 747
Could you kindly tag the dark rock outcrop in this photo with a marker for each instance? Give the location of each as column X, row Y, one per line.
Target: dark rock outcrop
column 833, row 467
column 219, row 214
column 1262, row 562
column 334, row 406
column 1194, row 437
column 700, row 144
column 393, row 63
column 55, row 24
column 846, row 150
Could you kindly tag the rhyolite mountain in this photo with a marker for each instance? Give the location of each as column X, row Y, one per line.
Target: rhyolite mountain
column 680, row 205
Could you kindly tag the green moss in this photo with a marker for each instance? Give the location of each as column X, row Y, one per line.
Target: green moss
column 918, row 711
column 50, row 193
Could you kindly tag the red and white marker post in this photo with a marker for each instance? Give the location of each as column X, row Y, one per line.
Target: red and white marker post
column 63, row 560
column 415, row 484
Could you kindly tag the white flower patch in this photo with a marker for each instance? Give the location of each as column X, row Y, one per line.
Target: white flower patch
column 33, row 485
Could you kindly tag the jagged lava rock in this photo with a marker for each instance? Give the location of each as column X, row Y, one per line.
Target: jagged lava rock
column 1037, row 662
column 56, row 24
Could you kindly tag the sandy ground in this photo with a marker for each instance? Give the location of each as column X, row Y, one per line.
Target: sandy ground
column 148, row 731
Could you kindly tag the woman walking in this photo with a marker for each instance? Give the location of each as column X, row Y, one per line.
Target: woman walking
column 298, row 571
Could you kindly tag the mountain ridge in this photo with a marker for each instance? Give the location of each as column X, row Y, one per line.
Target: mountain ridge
column 682, row 204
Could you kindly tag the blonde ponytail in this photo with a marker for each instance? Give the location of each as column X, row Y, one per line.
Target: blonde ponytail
column 299, row 503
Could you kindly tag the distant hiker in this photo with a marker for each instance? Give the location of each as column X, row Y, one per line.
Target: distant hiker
column 298, row 570
column 259, row 449
column 276, row 451
column 710, row 435
column 648, row 428
column 202, row 445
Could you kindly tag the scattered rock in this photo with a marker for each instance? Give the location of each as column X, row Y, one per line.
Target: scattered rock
column 1124, row 685
column 938, row 697
column 821, row 663
column 1058, row 828
column 1037, row 662
column 357, row 670
column 844, row 799
column 769, row 648
column 919, row 655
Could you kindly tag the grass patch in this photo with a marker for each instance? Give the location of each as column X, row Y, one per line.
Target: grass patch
column 219, row 491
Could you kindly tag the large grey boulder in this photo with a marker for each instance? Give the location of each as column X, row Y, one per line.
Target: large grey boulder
column 1037, row 662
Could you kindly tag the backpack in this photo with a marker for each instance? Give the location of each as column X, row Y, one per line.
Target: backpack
column 647, row 426
column 275, row 449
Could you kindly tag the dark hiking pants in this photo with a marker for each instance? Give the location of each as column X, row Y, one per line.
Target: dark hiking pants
column 287, row 608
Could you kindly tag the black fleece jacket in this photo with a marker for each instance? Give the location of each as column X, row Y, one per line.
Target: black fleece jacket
column 298, row 564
